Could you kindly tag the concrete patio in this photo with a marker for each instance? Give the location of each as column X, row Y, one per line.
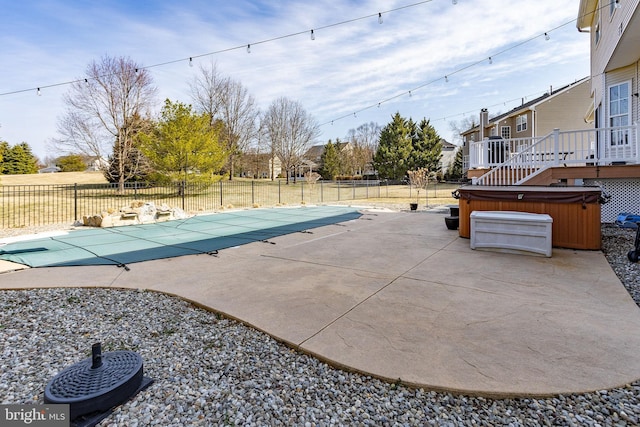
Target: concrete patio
column 398, row 296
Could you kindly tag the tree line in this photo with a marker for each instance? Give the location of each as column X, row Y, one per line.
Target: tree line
column 109, row 118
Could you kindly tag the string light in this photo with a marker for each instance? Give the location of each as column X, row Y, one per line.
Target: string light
column 446, row 77
column 454, row 2
column 547, row 36
column 313, row 35
column 618, row 5
column 380, row 21
column 38, row 92
column 248, row 47
column 190, row 62
column 490, row 61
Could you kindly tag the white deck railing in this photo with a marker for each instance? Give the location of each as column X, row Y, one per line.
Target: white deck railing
column 513, row 161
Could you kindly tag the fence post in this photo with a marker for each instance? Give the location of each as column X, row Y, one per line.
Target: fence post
column 253, row 198
column 75, row 201
column 279, row 195
column 321, row 192
column 221, row 194
column 184, row 190
column 302, row 190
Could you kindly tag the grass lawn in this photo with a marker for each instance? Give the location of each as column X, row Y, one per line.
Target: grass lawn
column 52, row 198
column 54, row 178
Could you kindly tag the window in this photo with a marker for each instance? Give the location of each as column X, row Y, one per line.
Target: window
column 619, row 110
column 505, row 131
column 521, row 123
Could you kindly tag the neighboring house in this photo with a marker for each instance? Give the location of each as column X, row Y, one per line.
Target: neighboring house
column 49, row 169
column 449, row 151
column 561, row 108
column 259, row 165
column 97, row 164
column 312, row 159
column 607, row 154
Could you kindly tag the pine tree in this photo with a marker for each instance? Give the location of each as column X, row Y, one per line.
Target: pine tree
column 330, row 161
column 392, row 157
column 426, row 148
column 19, row 160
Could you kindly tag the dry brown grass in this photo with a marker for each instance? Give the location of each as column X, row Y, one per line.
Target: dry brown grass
column 52, row 198
column 54, row 178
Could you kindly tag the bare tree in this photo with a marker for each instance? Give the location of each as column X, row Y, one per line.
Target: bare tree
column 463, row 125
column 105, row 111
column 228, row 101
column 364, row 142
column 206, row 91
column 290, row 131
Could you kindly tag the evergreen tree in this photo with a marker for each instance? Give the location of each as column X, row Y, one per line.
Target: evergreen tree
column 426, row 148
column 19, row 160
column 4, row 149
column 135, row 166
column 392, row 157
column 330, row 160
column 184, row 141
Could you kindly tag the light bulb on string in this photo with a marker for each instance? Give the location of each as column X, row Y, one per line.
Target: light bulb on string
column 454, row 2
column 190, row 62
column 380, row 20
column 313, row 35
column 38, row 92
column 410, row 94
column 547, row 36
column 490, row 61
column 248, row 48
column 446, row 79
column 618, row 5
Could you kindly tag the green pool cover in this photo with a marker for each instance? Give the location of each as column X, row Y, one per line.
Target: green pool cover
column 195, row 235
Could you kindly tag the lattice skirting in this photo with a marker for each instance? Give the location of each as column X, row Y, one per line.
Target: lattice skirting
column 625, row 196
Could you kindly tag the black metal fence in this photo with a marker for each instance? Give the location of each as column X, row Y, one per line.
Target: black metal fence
column 34, row 205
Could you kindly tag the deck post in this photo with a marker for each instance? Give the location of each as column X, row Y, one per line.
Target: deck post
column 556, row 146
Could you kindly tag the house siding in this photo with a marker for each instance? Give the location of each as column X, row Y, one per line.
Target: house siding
column 609, row 36
column 565, row 110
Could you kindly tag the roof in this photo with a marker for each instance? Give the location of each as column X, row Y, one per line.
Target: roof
column 533, row 102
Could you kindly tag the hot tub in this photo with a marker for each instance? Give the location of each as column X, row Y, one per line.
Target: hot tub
column 575, row 210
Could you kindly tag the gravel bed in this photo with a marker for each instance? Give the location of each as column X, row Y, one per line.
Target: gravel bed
column 209, row 370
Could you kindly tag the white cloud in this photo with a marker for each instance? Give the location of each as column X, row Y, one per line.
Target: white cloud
column 347, row 68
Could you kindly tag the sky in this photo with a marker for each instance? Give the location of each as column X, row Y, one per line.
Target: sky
column 427, row 59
